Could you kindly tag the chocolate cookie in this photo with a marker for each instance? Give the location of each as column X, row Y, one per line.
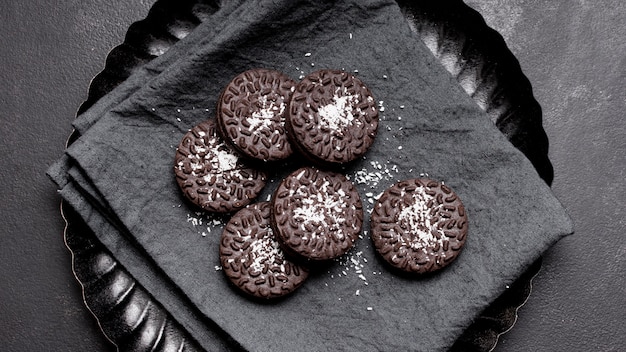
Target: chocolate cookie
column 332, row 117
column 251, row 114
column 316, row 214
column 252, row 258
column 211, row 174
column 419, row 225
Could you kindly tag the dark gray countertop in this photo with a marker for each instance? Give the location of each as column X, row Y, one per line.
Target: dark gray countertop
column 573, row 52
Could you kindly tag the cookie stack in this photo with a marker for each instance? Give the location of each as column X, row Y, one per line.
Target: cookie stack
column 329, row 118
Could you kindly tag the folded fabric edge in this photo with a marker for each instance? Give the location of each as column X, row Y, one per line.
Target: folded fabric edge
column 57, row 172
column 80, row 181
column 206, row 332
column 142, row 76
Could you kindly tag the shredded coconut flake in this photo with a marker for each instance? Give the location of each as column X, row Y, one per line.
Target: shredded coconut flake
column 352, row 263
column 225, row 160
column 378, row 172
column 264, row 251
column 318, row 208
column 204, row 223
column 418, row 218
column 338, row 114
column 262, row 119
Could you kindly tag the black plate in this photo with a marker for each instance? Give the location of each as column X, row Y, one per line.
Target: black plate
column 473, row 53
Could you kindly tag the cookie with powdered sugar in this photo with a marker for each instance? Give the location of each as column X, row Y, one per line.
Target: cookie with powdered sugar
column 253, row 260
column 251, row 114
column 419, row 225
column 333, row 118
column 211, row 174
column 316, row 215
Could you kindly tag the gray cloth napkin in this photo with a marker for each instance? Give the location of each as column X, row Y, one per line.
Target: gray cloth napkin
column 117, row 240
column 428, row 125
column 143, row 76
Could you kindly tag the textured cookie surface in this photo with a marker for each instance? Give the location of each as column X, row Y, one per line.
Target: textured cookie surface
column 251, row 113
column 316, row 214
column 252, row 258
column 419, row 225
column 332, row 117
column 211, row 174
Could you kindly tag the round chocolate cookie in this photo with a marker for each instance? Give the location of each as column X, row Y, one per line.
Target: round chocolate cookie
column 419, row 225
column 252, row 258
column 316, row 214
column 332, row 117
column 211, row 174
column 251, row 114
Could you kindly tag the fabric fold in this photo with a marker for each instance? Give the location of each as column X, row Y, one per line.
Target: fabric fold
column 208, row 335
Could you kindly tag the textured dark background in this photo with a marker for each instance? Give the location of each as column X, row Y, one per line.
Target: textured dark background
column 573, row 52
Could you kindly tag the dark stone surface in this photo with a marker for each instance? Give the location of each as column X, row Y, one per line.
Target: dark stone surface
column 572, row 52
